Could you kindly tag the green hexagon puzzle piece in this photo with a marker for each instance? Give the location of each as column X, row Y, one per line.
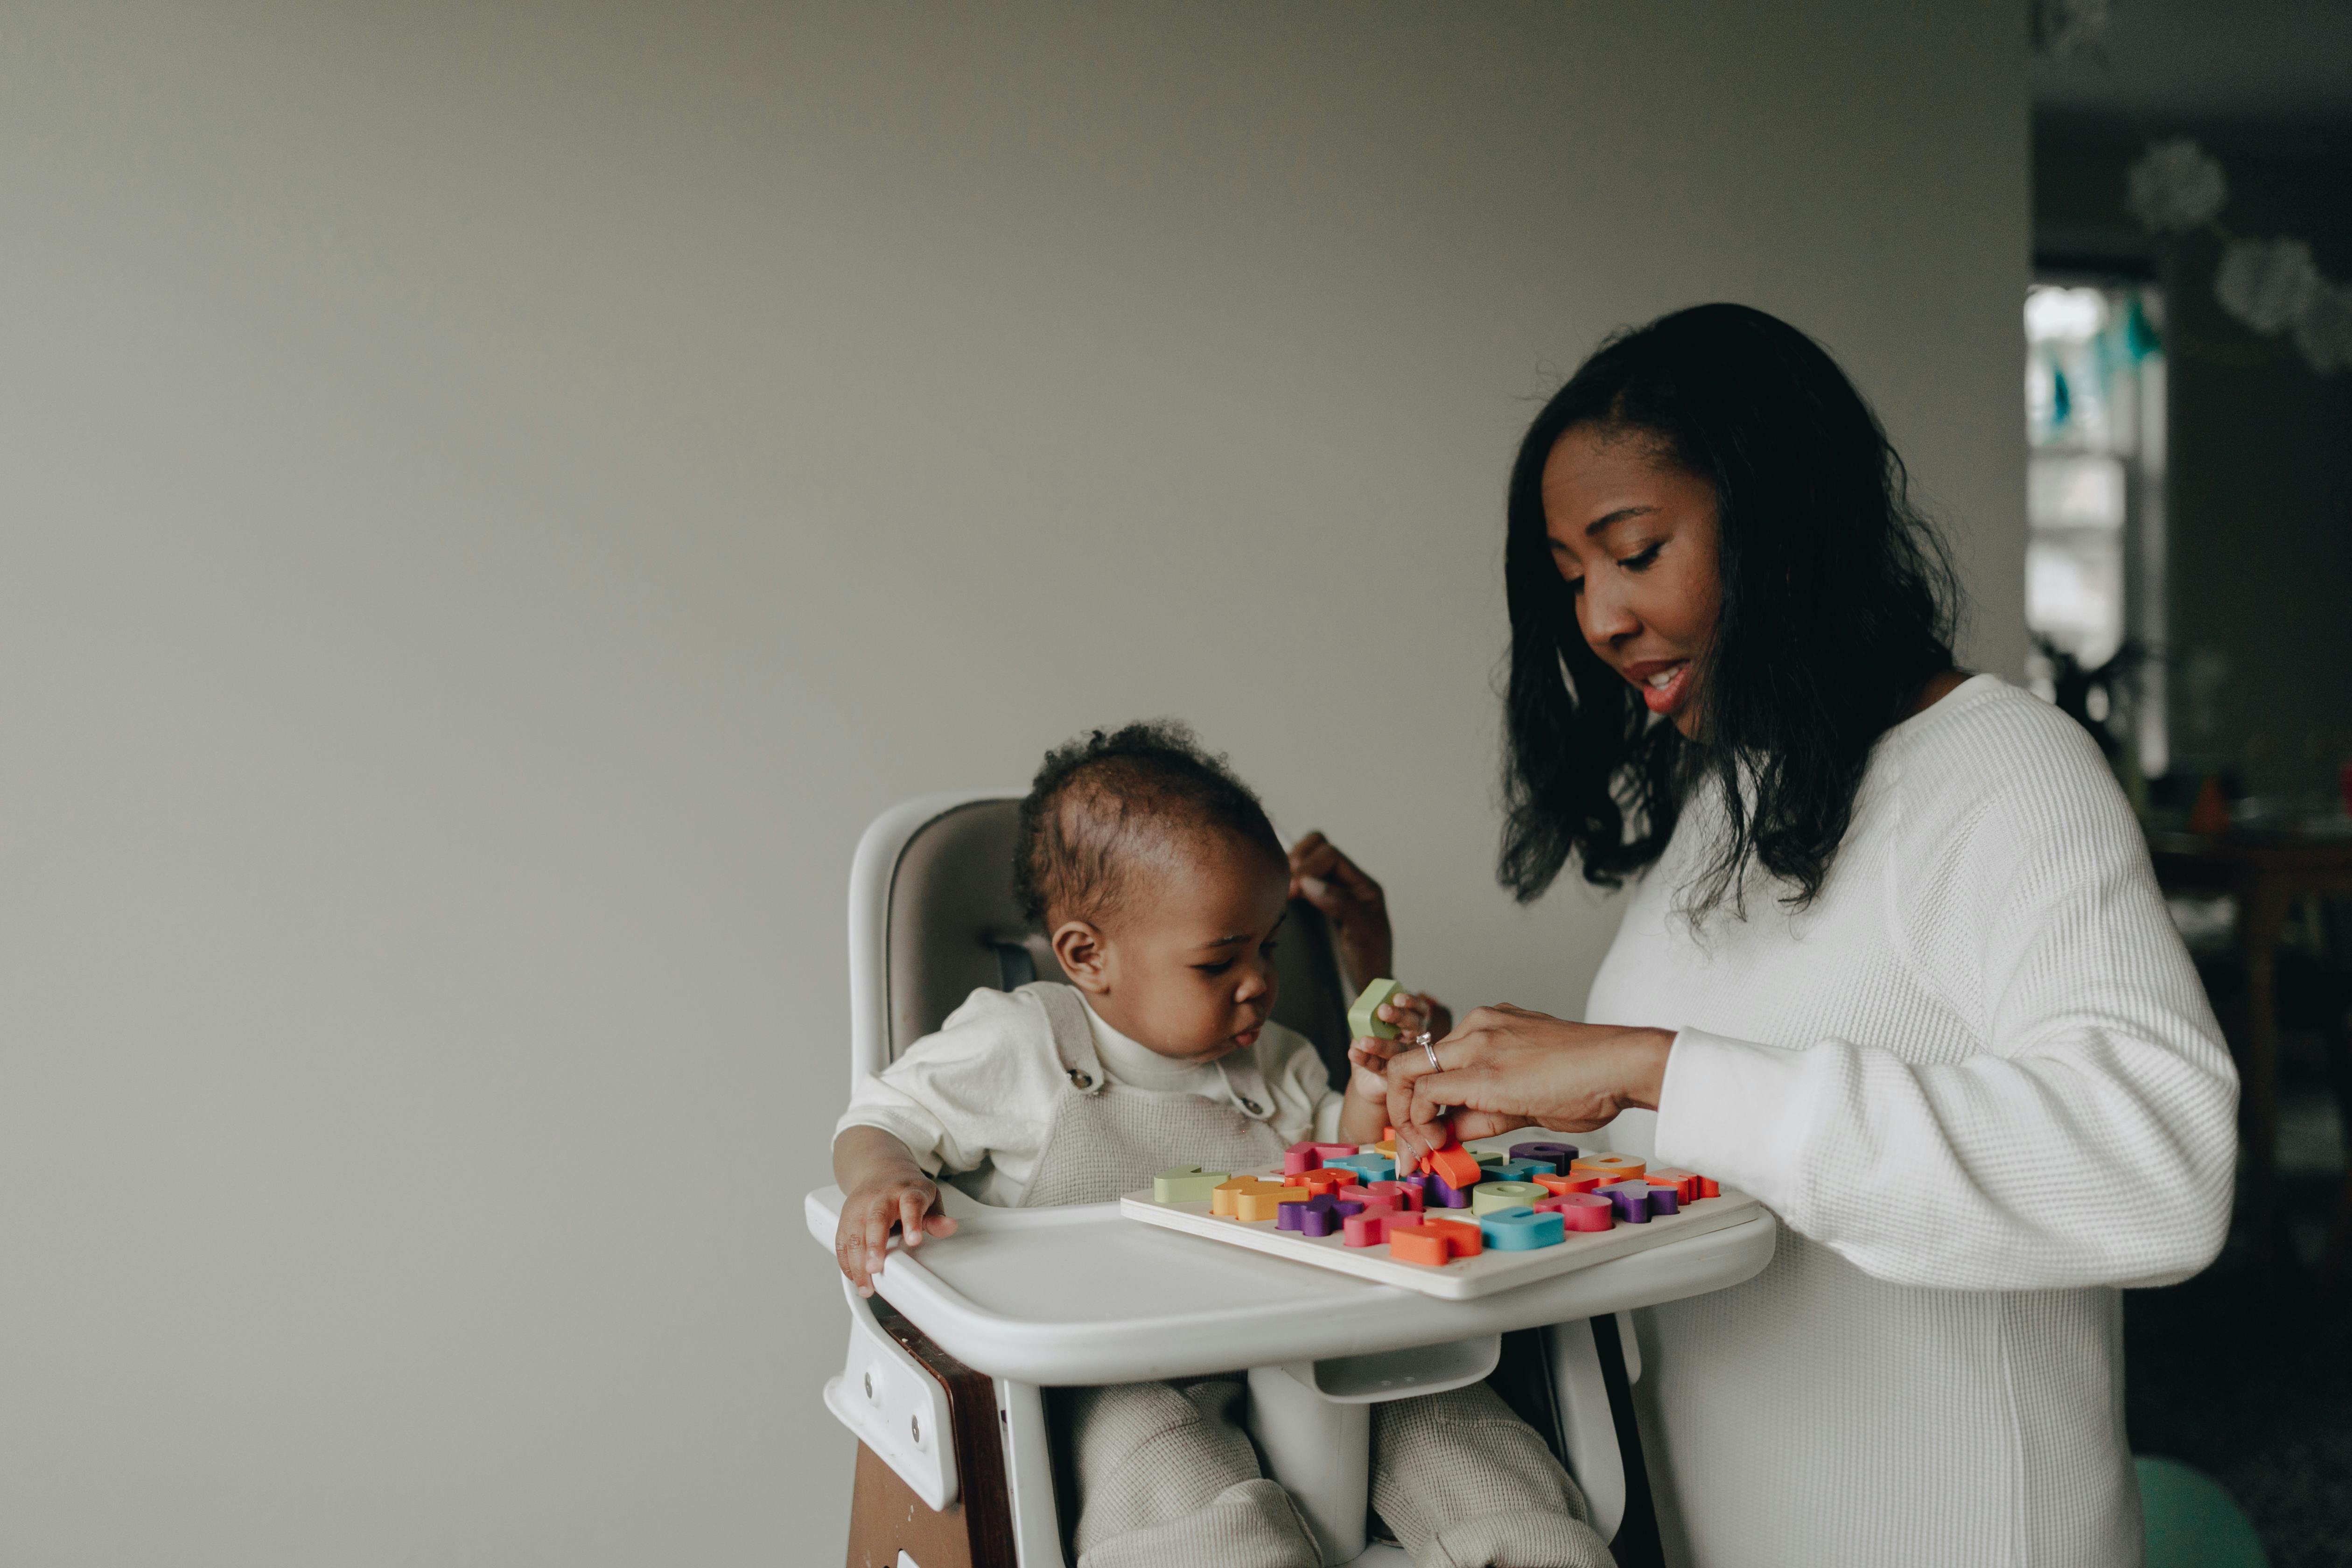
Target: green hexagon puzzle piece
column 1186, row 1184
column 1363, row 1015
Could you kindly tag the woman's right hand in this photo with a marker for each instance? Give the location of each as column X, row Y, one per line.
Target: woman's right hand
column 1504, row 1068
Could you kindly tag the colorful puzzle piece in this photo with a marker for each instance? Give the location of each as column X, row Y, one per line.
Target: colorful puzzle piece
column 1581, row 1211
column 1369, row 1225
column 1608, row 1167
column 1318, row 1215
column 1689, row 1186
column 1638, row 1203
column 1437, row 1192
column 1226, row 1197
column 1556, row 1155
column 1558, row 1184
column 1522, row 1230
column 1397, row 1194
column 1187, row 1185
column 1684, row 1183
column 1487, row 1197
column 1433, row 1241
column 1301, row 1158
column 1331, row 1152
column 1516, row 1170
column 1363, row 1014
column 1266, row 1202
column 1370, row 1167
column 1458, row 1166
column 1329, row 1179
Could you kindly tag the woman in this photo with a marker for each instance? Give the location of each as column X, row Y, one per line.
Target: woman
column 1894, row 963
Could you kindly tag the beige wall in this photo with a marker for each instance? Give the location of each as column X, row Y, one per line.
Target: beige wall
column 497, row 496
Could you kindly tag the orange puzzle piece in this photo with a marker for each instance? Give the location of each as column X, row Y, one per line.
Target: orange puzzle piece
column 1325, row 1179
column 1433, row 1241
column 1225, row 1195
column 1266, row 1201
column 1608, row 1167
column 1457, row 1166
column 1684, row 1183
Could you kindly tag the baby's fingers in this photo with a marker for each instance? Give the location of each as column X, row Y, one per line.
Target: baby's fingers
column 878, row 1235
column 911, row 1208
column 849, row 1251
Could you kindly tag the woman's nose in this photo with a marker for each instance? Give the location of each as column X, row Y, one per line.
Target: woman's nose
column 1604, row 617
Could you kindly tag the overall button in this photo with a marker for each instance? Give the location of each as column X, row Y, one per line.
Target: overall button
column 1251, row 1107
column 1081, row 1079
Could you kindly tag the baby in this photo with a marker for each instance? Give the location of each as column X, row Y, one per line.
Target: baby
column 1161, row 886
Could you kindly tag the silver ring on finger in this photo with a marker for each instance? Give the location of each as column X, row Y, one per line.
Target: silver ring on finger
column 1431, row 1051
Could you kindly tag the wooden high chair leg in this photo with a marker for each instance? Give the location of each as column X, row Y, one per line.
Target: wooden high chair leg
column 886, row 1518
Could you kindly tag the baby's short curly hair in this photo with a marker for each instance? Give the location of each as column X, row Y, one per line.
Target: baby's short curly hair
column 1098, row 799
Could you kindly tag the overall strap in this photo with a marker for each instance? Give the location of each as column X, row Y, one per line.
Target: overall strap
column 1247, row 1084
column 1074, row 1038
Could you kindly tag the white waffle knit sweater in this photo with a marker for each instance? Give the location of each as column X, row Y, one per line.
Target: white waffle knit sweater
column 1980, row 1086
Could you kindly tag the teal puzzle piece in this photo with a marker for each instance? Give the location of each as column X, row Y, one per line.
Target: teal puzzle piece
column 1521, row 1229
column 1368, row 1167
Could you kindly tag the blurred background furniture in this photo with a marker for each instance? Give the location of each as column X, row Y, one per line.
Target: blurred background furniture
column 2268, row 984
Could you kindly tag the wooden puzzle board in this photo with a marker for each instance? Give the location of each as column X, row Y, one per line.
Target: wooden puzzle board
column 1461, row 1278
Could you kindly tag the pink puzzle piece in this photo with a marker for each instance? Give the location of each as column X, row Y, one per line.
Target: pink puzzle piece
column 1581, row 1211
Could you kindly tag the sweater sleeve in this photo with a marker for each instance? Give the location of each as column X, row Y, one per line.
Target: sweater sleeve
column 979, row 1088
column 2089, row 1139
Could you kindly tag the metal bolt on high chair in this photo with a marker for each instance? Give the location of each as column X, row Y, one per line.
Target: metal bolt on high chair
column 948, row 1379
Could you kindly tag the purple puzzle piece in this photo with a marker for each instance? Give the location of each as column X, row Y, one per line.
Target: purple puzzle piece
column 1556, row 1155
column 1319, row 1216
column 1632, row 1200
column 1436, row 1191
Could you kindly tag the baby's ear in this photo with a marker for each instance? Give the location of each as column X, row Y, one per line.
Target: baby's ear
column 1083, row 954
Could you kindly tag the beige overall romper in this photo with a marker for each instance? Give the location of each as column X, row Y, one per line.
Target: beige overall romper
column 1168, row 1477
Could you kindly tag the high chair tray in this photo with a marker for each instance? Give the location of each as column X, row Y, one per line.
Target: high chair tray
column 1459, row 1278
column 1085, row 1294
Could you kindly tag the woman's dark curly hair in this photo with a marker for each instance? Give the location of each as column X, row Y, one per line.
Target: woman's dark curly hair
column 1100, row 801
column 1838, row 606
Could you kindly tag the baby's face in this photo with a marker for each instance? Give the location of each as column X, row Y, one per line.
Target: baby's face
column 1189, row 963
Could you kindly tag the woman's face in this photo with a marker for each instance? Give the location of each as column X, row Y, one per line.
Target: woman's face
column 1635, row 538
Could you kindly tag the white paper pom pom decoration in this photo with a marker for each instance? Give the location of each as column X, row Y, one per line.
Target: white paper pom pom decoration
column 2175, row 185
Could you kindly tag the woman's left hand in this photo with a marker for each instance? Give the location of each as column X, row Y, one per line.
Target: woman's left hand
column 1506, row 1066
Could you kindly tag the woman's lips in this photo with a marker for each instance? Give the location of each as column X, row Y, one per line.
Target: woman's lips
column 1661, row 685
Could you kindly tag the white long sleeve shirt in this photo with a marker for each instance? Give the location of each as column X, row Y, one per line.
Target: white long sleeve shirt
column 974, row 1099
column 1980, row 1084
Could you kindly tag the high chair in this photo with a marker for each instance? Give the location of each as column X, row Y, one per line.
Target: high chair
column 950, row 1366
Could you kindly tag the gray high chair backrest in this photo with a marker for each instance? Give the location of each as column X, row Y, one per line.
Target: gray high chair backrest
column 938, row 873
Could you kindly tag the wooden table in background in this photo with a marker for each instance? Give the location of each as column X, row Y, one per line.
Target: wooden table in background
column 2268, row 874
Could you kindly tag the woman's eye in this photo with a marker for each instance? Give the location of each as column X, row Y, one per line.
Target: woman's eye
column 1642, row 563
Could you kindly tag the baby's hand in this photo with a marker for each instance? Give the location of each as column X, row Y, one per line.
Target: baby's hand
column 1413, row 1016
column 863, row 1238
